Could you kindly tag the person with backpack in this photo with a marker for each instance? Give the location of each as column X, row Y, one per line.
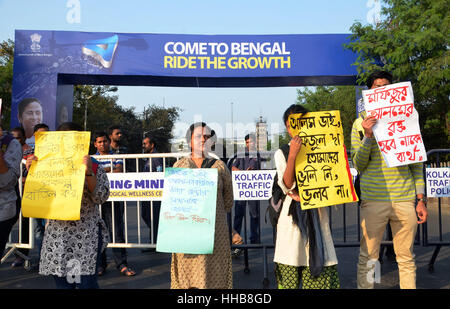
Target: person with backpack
column 304, row 251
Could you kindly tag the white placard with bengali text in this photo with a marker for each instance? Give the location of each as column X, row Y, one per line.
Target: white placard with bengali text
column 397, row 130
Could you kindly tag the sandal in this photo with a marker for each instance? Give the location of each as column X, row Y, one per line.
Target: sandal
column 18, row 262
column 101, row 271
column 127, row 271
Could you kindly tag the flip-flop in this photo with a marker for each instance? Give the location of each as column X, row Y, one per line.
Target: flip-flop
column 127, row 271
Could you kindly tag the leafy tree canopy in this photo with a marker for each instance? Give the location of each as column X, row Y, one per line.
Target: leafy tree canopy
column 6, row 73
column 341, row 98
column 412, row 43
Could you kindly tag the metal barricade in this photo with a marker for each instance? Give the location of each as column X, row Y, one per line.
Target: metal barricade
column 344, row 221
column 16, row 241
column 16, row 237
column 132, row 225
column 436, row 240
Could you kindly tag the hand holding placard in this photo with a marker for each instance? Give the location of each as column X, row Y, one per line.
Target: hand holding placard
column 55, row 183
column 188, row 211
column 321, row 167
column 397, row 128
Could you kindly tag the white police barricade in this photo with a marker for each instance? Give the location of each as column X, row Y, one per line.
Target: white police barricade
column 16, row 237
column 436, row 176
column 133, row 229
column 133, row 226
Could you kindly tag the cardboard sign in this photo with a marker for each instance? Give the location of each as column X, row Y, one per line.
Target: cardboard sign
column 252, row 185
column 54, row 184
column 321, row 167
column 438, row 182
column 397, row 130
column 188, row 211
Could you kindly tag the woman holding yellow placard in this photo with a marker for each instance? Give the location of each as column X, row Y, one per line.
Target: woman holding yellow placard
column 71, row 249
column 206, row 271
column 304, row 251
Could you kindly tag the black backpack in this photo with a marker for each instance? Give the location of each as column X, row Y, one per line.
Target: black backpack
column 278, row 196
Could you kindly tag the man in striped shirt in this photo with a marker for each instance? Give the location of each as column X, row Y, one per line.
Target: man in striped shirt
column 102, row 144
column 387, row 195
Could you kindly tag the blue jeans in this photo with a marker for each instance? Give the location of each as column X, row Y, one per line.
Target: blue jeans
column 86, row 281
column 239, row 213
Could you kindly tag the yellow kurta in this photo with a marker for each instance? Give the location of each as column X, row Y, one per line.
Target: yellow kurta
column 208, row 271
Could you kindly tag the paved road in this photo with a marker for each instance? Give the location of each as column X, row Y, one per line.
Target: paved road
column 153, row 269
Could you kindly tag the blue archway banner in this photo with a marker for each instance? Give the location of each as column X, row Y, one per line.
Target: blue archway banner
column 45, row 61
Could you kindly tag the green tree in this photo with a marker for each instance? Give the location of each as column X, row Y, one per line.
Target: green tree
column 6, row 74
column 283, row 139
column 158, row 122
column 94, row 106
column 103, row 111
column 412, row 43
column 341, row 98
column 97, row 107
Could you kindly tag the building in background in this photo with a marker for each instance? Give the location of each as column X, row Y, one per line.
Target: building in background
column 261, row 134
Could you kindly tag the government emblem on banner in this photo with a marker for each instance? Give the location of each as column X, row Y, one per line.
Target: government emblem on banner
column 35, row 40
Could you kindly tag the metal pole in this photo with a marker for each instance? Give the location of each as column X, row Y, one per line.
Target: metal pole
column 85, row 115
column 85, row 111
column 232, row 127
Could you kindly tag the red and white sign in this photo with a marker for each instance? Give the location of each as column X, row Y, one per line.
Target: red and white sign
column 397, row 130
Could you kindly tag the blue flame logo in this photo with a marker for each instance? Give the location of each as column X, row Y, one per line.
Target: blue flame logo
column 102, row 50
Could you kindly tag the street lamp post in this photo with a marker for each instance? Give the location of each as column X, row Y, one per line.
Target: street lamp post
column 232, row 127
column 99, row 91
column 85, row 110
column 85, row 115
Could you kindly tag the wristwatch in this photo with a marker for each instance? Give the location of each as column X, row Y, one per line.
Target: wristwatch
column 423, row 199
column 90, row 174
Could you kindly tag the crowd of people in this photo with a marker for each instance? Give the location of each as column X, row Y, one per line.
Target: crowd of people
column 304, row 255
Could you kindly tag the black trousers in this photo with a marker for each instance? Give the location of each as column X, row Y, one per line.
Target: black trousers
column 7, row 225
column 146, row 216
column 119, row 254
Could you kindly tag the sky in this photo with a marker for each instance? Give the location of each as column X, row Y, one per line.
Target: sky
column 216, row 106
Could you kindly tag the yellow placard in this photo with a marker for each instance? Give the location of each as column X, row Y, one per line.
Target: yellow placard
column 321, row 168
column 54, row 184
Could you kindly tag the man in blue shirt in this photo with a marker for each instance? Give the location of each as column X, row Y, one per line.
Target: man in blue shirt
column 102, row 144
